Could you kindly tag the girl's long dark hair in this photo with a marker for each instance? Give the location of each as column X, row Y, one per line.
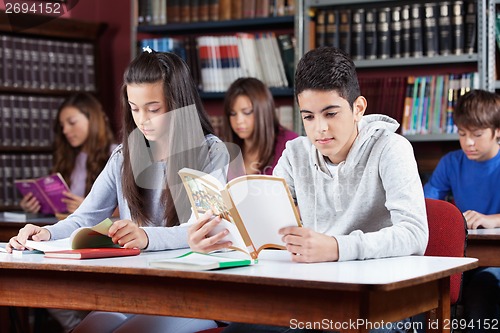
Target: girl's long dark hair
column 98, row 143
column 180, row 92
column 266, row 125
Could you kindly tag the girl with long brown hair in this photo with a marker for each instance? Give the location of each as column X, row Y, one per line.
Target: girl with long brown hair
column 250, row 121
column 81, row 129
column 165, row 128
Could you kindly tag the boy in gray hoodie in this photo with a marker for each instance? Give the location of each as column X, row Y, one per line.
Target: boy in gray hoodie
column 354, row 180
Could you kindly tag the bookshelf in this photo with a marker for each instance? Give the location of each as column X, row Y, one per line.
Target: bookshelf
column 42, row 61
column 241, row 28
column 470, row 64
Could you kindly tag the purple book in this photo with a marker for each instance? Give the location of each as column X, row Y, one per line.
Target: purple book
column 48, row 190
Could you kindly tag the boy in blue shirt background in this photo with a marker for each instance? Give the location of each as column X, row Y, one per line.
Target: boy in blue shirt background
column 472, row 176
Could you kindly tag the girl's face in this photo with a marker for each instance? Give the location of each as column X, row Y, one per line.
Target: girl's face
column 74, row 125
column 479, row 144
column 147, row 103
column 242, row 117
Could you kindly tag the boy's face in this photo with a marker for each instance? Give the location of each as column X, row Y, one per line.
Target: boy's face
column 329, row 122
column 479, row 144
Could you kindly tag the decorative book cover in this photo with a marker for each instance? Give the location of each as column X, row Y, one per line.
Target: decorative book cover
column 48, row 190
column 253, row 208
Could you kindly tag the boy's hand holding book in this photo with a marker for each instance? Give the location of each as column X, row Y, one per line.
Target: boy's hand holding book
column 203, row 237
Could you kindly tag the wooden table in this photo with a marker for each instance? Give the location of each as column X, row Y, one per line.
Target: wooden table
column 9, row 228
column 484, row 244
column 275, row 291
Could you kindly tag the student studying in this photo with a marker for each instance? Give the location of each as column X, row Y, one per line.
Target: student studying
column 81, row 129
column 355, row 182
column 472, row 176
column 250, row 121
column 165, row 128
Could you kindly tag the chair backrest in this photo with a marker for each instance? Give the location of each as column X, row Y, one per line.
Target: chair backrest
column 447, row 237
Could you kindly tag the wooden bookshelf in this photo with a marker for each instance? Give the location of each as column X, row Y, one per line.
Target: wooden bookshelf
column 42, row 60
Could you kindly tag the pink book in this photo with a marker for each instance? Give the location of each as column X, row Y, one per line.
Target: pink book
column 48, row 190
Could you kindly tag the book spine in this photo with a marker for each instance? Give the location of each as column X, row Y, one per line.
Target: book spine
column 203, row 11
column 213, row 10
column 332, row 28
column 194, row 10
column 173, row 11
column 416, row 30
column 406, row 38
column 26, row 45
column 383, row 33
column 320, row 33
column 371, row 33
column 8, row 56
column 237, row 10
column 457, row 27
column 345, row 30
column 358, row 34
column 34, row 60
column 444, row 24
column 396, row 32
column 288, row 56
column 262, row 8
column 470, row 27
column 224, row 10
column 430, row 30
column 18, row 62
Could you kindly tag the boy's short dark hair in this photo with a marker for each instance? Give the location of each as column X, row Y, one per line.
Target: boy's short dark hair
column 327, row 69
column 478, row 109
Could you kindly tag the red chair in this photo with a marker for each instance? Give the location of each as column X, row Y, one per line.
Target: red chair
column 447, row 237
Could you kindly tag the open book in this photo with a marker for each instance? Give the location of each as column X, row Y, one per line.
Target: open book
column 254, row 208
column 47, row 190
column 83, row 243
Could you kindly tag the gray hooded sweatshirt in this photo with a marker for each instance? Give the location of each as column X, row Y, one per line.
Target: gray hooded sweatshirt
column 373, row 204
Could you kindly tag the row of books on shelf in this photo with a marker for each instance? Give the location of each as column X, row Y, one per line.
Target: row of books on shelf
column 430, row 101
column 20, row 166
column 217, row 61
column 421, row 104
column 159, row 12
column 46, row 64
column 410, row 30
column 27, row 121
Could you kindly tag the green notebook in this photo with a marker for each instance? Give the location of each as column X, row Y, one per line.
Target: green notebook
column 195, row 261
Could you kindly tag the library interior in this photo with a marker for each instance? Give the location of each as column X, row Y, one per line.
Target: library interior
column 415, row 60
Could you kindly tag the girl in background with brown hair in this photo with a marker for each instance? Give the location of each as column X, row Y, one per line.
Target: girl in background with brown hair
column 250, row 122
column 81, row 129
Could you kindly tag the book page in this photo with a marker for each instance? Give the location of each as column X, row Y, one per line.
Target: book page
column 49, row 246
column 265, row 206
column 97, row 236
column 233, row 236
